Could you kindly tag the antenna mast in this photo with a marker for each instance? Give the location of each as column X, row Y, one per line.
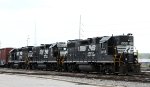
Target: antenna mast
column 35, row 35
column 80, row 28
column 28, row 40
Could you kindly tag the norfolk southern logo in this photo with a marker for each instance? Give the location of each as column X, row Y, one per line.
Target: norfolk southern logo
column 19, row 54
column 91, row 49
column 44, row 53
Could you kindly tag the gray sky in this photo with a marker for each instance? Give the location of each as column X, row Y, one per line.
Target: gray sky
column 58, row 20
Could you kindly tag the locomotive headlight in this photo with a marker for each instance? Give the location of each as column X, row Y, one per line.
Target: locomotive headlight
column 129, row 40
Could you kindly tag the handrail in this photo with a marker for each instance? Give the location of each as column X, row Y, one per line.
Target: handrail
column 115, row 57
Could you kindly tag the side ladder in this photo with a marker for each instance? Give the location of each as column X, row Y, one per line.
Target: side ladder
column 118, row 60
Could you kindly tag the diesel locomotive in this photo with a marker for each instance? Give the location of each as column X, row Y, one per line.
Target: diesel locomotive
column 106, row 54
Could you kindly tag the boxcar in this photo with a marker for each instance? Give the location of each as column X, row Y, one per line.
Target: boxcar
column 4, row 54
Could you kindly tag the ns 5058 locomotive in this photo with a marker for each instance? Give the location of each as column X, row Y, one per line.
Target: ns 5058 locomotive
column 106, row 54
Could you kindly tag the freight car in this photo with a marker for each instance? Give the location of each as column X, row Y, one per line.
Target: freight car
column 4, row 54
column 106, row 54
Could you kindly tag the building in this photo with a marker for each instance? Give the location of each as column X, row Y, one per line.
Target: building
column 145, row 64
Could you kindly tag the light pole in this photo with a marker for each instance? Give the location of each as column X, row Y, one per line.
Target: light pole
column 28, row 40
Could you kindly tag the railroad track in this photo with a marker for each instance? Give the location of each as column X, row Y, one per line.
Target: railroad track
column 143, row 77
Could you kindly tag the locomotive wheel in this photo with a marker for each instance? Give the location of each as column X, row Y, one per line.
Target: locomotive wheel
column 23, row 66
column 70, row 68
column 73, row 68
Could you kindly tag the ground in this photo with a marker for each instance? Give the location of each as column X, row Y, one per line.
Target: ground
column 10, row 80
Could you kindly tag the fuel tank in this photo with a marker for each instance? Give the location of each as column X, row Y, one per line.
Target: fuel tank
column 87, row 68
column 41, row 66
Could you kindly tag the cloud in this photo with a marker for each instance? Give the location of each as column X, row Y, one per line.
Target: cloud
column 18, row 4
column 58, row 20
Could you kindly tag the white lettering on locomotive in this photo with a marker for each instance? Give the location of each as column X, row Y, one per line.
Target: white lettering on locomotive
column 18, row 53
column 46, row 53
column 103, row 51
column 30, row 54
column 124, row 43
column 41, row 52
column 92, row 47
column 82, row 48
column 91, row 54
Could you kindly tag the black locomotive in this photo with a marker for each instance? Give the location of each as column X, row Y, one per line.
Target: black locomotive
column 107, row 54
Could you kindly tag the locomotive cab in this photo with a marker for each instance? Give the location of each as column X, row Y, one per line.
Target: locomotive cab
column 58, row 52
column 125, row 55
column 59, row 49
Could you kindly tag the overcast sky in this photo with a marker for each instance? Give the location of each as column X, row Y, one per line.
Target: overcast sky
column 58, row 20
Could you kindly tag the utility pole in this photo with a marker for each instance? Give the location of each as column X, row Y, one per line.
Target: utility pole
column 80, row 28
column 28, row 40
column 35, row 35
column 79, row 33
